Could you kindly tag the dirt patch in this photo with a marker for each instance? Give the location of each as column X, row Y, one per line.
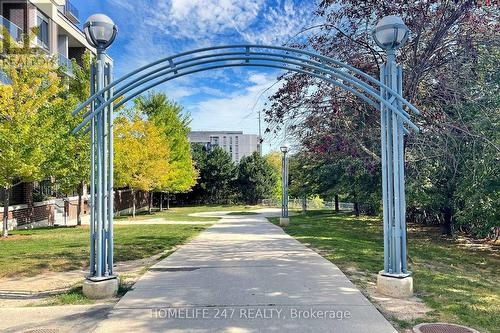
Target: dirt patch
column 13, row 238
column 409, row 309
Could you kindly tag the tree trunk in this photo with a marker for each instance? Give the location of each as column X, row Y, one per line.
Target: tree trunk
column 304, row 204
column 150, row 205
column 161, row 201
column 447, row 227
column 356, row 206
column 168, row 200
column 79, row 207
column 29, row 202
column 133, row 203
column 337, row 206
column 5, row 231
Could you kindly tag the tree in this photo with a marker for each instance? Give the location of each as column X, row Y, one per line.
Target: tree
column 29, row 108
column 141, row 156
column 169, row 117
column 217, row 175
column 256, row 178
column 73, row 151
column 274, row 159
column 440, row 63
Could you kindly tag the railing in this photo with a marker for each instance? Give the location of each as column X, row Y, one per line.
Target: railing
column 311, row 204
column 66, row 63
column 71, row 12
column 15, row 32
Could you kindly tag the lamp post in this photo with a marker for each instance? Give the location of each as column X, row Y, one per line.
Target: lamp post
column 100, row 32
column 390, row 34
column 284, row 219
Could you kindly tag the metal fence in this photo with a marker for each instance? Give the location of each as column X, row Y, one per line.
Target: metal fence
column 310, row 204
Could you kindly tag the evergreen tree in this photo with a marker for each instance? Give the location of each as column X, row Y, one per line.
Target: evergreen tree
column 256, row 178
column 217, row 175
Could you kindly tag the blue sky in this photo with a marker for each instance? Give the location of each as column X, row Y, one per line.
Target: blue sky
column 226, row 99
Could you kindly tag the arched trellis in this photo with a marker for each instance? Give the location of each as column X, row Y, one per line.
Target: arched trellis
column 384, row 95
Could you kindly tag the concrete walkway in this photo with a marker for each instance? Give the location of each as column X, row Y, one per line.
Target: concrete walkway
column 243, row 274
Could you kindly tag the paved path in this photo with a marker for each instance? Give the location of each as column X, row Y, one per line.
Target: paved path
column 243, row 274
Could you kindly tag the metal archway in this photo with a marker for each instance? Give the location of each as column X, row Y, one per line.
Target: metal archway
column 384, row 95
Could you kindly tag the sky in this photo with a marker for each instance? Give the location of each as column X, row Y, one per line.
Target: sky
column 226, row 99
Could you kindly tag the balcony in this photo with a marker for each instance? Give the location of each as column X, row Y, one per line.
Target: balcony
column 71, row 12
column 66, row 64
column 15, row 32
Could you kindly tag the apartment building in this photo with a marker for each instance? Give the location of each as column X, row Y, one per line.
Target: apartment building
column 235, row 143
column 56, row 23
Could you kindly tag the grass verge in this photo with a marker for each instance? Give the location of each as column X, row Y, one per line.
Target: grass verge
column 31, row 252
column 459, row 280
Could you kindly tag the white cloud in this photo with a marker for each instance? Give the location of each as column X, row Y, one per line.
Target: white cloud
column 238, row 111
column 202, row 19
column 153, row 29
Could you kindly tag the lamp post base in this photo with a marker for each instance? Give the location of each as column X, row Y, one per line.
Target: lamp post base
column 398, row 286
column 100, row 288
column 284, row 221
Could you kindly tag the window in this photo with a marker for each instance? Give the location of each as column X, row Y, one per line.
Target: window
column 43, row 31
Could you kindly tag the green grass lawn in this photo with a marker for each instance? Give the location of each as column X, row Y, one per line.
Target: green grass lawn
column 182, row 213
column 30, row 252
column 460, row 281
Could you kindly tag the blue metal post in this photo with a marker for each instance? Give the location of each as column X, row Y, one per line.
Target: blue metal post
column 110, row 175
column 104, row 178
column 404, row 264
column 100, row 171
column 383, row 149
column 284, row 185
column 396, row 269
column 92, row 175
column 393, row 192
column 389, row 161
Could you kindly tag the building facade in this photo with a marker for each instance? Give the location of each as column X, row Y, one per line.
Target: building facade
column 235, row 143
column 54, row 24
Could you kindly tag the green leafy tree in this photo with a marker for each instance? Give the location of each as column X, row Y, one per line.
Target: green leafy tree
column 446, row 177
column 274, row 159
column 168, row 116
column 29, row 108
column 256, row 178
column 141, row 156
column 73, row 151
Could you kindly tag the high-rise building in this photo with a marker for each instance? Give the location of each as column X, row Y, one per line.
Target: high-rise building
column 235, row 143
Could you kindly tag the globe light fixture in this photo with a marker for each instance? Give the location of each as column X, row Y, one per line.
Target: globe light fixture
column 391, row 32
column 100, row 31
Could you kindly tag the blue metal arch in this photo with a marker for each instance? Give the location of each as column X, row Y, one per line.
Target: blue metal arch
column 383, row 94
column 327, row 69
